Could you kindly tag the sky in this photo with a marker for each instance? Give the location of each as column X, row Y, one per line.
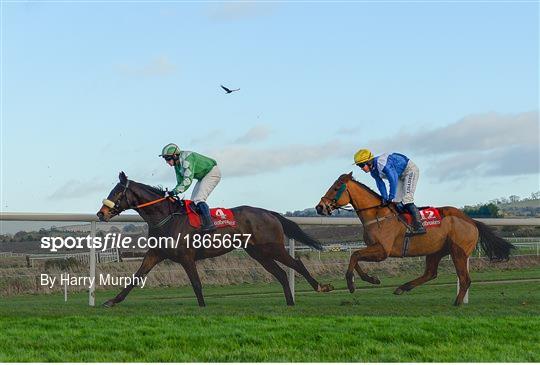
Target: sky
column 89, row 89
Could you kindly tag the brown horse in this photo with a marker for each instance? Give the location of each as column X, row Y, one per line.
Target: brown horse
column 166, row 217
column 384, row 235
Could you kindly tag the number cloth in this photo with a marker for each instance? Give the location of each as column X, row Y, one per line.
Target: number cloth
column 220, row 216
column 431, row 217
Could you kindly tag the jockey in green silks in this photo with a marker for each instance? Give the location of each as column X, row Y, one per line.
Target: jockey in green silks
column 189, row 166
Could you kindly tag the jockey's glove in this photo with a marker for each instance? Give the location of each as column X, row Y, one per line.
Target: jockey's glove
column 170, row 194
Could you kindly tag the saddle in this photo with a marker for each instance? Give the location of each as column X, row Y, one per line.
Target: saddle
column 221, row 217
column 431, row 217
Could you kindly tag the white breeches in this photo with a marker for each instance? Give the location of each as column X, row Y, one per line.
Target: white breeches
column 407, row 184
column 204, row 187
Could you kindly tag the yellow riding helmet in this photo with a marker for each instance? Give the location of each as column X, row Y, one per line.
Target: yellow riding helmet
column 363, row 156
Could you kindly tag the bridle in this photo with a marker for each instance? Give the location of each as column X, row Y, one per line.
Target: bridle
column 115, row 206
column 337, row 196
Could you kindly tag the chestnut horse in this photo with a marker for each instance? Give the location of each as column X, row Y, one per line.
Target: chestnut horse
column 166, row 217
column 384, row 235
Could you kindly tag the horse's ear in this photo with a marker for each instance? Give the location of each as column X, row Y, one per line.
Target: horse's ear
column 122, row 177
column 350, row 174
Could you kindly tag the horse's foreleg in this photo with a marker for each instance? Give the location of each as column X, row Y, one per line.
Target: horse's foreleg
column 151, row 259
column 373, row 253
column 365, row 276
column 191, row 271
column 430, row 273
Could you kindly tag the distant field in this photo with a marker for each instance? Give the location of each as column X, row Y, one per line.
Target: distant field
column 251, row 323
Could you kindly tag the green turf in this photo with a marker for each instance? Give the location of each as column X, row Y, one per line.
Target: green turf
column 501, row 323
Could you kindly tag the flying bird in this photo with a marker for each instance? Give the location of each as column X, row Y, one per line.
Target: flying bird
column 227, row 90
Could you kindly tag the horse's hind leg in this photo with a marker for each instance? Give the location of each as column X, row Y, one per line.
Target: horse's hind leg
column 191, row 271
column 460, row 262
column 151, row 259
column 430, row 273
column 273, row 268
column 297, row 265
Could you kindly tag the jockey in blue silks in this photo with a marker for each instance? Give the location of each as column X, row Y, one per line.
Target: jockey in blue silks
column 402, row 175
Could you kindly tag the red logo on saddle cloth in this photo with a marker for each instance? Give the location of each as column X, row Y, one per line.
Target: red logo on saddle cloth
column 220, row 216
column 430, row 217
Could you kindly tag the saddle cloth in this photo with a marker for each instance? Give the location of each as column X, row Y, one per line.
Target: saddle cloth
column 221, row 217
column 431, row 217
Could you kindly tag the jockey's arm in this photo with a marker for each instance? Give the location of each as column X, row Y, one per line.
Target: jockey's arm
column 392, row 177
column 184, row 177
column 381, row 186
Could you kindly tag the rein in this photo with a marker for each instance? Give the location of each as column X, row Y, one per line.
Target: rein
column 152, row 202
column 340, row 192
column 112, row 205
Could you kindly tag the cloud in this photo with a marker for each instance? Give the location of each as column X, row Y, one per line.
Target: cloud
column 490, row 144
column 160, row 66
column 232, row 11
column 245, row 161
column 485, row 145
column 74, row 189
column 478, row 132
column 254, row 134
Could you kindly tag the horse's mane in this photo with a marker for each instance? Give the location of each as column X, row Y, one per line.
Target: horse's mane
column 365, row 187
column 155, row 189
column 369, row 190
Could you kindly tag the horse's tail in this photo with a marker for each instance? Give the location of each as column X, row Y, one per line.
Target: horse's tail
column 495, row 247
column 292, row 230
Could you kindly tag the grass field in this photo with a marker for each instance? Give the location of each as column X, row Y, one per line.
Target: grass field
column 501, row 323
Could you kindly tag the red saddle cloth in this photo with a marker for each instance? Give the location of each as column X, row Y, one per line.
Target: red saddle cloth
column 430, row 217
column 220, row 216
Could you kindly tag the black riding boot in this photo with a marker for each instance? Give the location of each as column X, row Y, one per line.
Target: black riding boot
column 418, row 228
column 207, row 224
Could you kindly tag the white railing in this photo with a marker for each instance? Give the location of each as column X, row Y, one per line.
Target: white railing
column 11, row 254
column 130, row 218
column 110, row 255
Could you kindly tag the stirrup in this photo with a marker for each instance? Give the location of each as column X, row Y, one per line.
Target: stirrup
column 209, row 228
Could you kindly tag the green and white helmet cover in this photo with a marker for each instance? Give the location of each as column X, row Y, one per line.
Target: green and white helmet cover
column 169, row 150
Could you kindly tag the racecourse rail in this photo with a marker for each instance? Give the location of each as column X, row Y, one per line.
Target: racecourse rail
column 131, row 218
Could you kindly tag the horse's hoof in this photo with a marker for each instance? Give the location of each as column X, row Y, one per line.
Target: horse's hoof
column 350, row 282
column 399, row 291
column 108, row 304
column 374, row 280
column 325, row 288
